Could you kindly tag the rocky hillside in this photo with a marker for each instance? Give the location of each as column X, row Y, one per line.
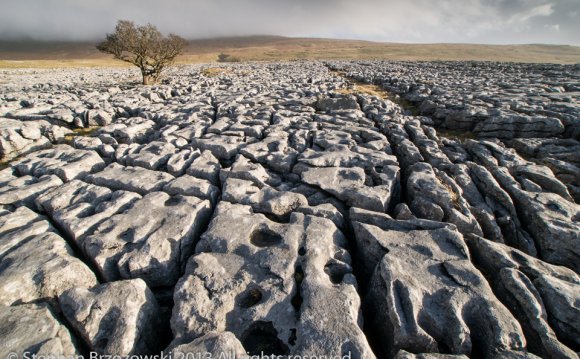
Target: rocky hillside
column 276, row 208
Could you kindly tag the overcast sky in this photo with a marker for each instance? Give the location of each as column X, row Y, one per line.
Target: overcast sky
column 466, row 21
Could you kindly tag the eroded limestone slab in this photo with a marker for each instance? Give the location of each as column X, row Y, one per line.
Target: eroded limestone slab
column 152, row 240
column 425, row 293
column 34, row 329
column 36, row 263
column 127, row 309
column 134, row 179
column 64, row 161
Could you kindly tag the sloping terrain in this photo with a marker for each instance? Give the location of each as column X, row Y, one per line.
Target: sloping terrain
column 271, row 48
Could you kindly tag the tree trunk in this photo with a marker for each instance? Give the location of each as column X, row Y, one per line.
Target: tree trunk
column 150, row 76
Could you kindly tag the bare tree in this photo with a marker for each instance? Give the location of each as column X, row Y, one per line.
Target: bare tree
column 144, row 47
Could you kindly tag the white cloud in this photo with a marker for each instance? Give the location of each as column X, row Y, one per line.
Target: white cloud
column 483, row 21
column 525, row 16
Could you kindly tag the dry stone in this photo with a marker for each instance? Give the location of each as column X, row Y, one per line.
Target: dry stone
column 33, row 329
column 152, row 240
column 119, row 318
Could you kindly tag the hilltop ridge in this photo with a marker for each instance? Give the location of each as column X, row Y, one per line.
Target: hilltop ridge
column 29, row 53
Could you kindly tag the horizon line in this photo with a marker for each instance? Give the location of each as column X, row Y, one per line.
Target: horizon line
column 87, row 41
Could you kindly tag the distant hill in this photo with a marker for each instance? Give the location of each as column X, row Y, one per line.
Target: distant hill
column 260, row 48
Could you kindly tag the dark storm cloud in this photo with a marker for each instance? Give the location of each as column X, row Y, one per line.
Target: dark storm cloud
column 479, row 21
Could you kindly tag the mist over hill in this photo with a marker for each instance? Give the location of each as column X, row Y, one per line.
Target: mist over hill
column 265, row 47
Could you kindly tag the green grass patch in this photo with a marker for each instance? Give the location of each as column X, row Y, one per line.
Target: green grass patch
column 78, row 132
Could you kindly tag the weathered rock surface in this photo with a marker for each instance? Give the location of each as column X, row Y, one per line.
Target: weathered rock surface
column 152, row 240
column 348, row 185
column 33, row 329
column 78, row 207
column 132, row 179
column 214, row 344
column 36, row 263
column 491, row 99
column 64, row 161
column 507, row 127
column 190, row 186
column 543, row 297
column 119, row 318
column 21, row 191
column 435, row 196
column 425, row 293
column 18, row 137
column 280, row 207
column 282, row 286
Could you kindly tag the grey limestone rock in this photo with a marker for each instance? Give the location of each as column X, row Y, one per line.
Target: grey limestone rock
column 222, row 147
column 215, row 344
column 131, row 130
column 19, row 137
column 223, row 292
column 330, row 317
column 87, row 143
column 190, row 186
column 79, row 207
column 348, row 185
column 478, row 206
column 151, row 240
column 243, row 169
column 324, row 210
column 551, row 220
column 273, row 151
column 540, row 295
column 36, row 263
column 151, row 156
column 118, row 318
column 277, row 286
column 343, row 156
column 372, row 248
column 407, row 153
column 502, row 204
column 347, row 102
column 23, row 190
column 206, row 167
column 98, row 118
column 544, row 177
column 435, row 196
column 179, row 162
column 33, row 329
column 134, row 179
column 264, row 200
column 508, row 127
column 292, row 161
column 64, row 161
column 425, row 294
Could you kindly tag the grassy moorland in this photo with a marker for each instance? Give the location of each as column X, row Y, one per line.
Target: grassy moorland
column 269, row 48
